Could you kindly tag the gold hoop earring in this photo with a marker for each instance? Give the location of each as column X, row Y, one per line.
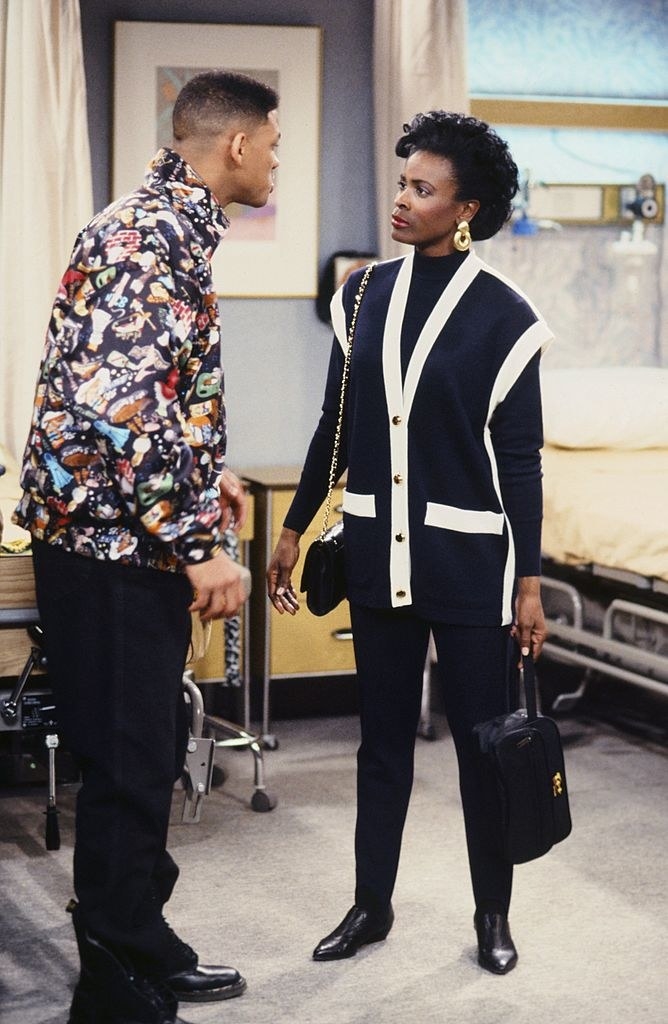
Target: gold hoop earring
column 462, row 240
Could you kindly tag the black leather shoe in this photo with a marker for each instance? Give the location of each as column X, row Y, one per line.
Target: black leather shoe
column 358, row 928
column 175, row 964
column 203, row 984
column 496, row 949
column 108, row 992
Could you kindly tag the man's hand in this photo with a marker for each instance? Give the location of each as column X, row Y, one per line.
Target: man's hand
column 233, row 501
column 220, row 587
column 529, row 627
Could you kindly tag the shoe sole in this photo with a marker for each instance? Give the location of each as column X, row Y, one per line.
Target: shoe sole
column 211, row 995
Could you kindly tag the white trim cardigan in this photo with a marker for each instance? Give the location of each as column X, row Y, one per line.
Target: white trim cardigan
column 443, row 500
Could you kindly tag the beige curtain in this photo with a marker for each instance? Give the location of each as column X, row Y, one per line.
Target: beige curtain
column 45, row 186
column 419, row 64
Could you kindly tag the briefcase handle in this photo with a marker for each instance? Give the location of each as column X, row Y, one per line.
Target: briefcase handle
column 529, row 686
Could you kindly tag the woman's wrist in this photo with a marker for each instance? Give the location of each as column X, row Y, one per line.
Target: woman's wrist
column 527, row 585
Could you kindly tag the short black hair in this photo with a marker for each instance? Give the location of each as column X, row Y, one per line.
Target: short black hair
column 483, row 166
column 210, row 100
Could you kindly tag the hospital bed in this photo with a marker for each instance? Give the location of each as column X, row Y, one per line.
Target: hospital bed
column 605, row 526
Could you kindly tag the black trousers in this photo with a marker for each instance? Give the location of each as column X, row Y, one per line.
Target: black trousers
column 473, row 670
column 116, row 641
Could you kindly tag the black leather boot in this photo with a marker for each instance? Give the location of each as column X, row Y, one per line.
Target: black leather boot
column 110, row 992
column 496, row 949
column 177, row 966
column 205, row 983
column 358, row 928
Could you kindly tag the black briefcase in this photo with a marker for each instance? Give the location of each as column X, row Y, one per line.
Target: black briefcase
column 525, row 777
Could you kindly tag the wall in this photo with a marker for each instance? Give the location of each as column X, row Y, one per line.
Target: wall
column 275, row 351
column 602, row 48
column 604, row 308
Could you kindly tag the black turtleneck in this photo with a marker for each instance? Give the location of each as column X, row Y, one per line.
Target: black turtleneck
column 431, row 275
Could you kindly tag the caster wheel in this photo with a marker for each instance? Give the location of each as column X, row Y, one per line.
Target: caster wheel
column 218, row 776
column 262, row 801
column 269, row 742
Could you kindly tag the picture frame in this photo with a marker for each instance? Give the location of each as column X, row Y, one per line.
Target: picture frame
column 270, row 252
column 345, row 265
column 335, row 272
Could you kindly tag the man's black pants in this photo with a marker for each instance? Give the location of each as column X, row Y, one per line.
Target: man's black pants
column 473, row 670
column 116, row 640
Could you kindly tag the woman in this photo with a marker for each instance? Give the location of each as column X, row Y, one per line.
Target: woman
column 442, row 507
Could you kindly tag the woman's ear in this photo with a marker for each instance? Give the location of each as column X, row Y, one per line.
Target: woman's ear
column 470, row 209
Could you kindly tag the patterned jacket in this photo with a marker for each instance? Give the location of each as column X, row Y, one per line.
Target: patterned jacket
column 127, row 441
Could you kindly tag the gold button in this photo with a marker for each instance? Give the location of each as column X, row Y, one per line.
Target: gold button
column 398, row 479
column 396, row 420
column 401, row 593
column 400, row 537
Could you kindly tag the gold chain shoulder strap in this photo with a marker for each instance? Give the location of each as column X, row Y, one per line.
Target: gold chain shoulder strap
column 344, row 384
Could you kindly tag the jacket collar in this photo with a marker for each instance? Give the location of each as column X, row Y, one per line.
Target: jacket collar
column 169, row 173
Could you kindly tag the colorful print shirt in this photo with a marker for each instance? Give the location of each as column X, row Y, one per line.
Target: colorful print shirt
column 127, row 440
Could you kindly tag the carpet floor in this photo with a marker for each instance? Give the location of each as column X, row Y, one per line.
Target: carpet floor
column 258, row 890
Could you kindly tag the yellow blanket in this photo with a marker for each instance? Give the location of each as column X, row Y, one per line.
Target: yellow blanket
column 608, row 507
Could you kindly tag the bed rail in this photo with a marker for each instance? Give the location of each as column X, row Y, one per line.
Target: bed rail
column 632, row 644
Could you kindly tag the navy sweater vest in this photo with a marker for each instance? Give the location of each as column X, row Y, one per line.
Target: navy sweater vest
column 441, row 440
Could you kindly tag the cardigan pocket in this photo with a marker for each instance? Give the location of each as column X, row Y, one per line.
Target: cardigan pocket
column 362, row 542
column 359, row 504
column 463, row 520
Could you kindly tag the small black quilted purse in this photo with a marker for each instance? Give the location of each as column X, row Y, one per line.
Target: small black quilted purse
column 323, row 575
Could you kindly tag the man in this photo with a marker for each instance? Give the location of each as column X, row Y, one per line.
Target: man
column 126, row 497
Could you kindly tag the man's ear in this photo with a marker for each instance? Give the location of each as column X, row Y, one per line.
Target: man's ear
column 238, row 146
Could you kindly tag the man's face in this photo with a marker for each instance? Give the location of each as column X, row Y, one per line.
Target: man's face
column 259, row 162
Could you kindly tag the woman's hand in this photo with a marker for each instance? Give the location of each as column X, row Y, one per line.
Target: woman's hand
column 279, row 574
column 529, row 627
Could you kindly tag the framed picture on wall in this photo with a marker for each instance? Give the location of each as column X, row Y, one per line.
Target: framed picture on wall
column 272, row 251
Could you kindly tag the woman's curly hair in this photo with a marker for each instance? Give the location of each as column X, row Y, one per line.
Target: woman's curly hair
column 481, row 160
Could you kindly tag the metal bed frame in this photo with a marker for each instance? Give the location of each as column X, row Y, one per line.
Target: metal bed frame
column 606, row 621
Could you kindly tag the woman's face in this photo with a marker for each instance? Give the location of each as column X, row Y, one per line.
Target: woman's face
column 426, row 212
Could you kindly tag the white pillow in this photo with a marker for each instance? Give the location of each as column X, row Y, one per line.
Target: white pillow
column 606, row 407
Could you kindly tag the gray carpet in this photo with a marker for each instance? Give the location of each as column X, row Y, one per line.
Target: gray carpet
column 258, row 890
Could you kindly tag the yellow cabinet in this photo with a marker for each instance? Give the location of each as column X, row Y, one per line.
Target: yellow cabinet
column 287, row 646
column 231, row 699
column 17, row 606
column 210, row 668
